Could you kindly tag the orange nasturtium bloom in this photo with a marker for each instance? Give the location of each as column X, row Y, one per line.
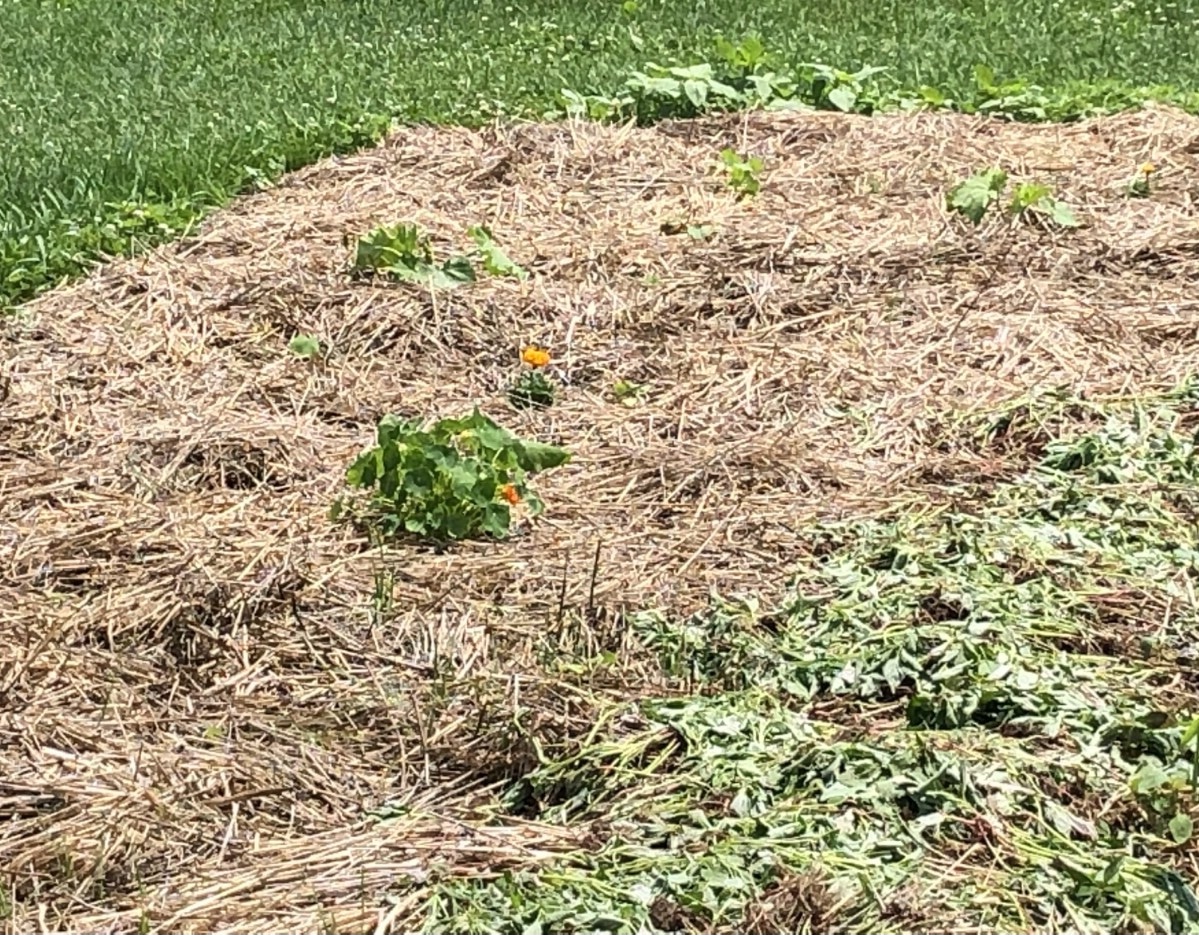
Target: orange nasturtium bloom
column 510, row 494
column 1148, row 168
column 535, row 356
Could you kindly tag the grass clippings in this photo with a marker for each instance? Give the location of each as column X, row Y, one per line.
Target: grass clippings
column 874, row 612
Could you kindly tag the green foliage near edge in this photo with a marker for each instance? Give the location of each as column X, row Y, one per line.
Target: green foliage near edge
column 125, row 122
column 967, row 715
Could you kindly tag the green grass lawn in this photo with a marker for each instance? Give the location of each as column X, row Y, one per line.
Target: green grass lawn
column 123, row 119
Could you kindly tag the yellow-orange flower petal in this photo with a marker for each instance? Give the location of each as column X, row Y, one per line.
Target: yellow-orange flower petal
column 1148, row 168
column 509, row 493
column 535, row 356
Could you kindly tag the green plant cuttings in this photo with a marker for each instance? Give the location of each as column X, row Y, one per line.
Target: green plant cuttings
column 454, row 479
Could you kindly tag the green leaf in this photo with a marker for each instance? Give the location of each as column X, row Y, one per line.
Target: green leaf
column 1062, row 215
column 304, row 346
column 389, row 428
column 457, row 525
column 393, row 455
column 389, row 483
column 496, row 519
column 697, row 92
column 1027, row 195
column 492, row 438
column 1148, row 777
column 450, row 275
column 843, row 97
column 443, row 481
column 700, row 72
column 976, row 194
column 364, row 470
column 495, row 260
column 535, row 456
column 1181, row 828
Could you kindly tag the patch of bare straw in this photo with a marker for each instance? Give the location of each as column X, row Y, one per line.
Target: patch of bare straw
column 199, row 706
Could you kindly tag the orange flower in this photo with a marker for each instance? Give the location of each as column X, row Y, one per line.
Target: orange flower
column 509, row 493
column 535, row 356
column 1148, row 168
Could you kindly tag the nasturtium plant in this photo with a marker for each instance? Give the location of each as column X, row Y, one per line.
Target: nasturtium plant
column 454, row 479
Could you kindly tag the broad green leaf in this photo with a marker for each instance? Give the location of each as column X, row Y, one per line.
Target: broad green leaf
column 389, row 483
column 393, row 455
column 390, row 428
column 701, row 72
column 984, row 77
column 728, row 92
column 457, row 524
column 495, row 260
column 496, row 519
column 1148, row 777
column 843, row 97
column 697, row 93
column 1062, row 215
column 1181, row 828
column 492, row 438
column 666, row 87
column 418, row 482
column 1029, row 194
column 455, row 272
column 976, row 194
column 535, row 456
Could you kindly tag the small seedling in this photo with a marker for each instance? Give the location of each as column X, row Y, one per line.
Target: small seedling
column 1036, row 201
column 304, row 346
column 532, row 390
column 972, row 197
column 1139, row 186
column 694, row 231
column 742, row 172
column 627, row 392
column 495, row 260
column 454, row 479
column 403, row 251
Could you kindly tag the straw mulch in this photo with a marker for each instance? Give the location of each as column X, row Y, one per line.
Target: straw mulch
column 206, row 686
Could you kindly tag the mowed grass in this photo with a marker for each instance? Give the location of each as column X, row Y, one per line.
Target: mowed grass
column 124, row 121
